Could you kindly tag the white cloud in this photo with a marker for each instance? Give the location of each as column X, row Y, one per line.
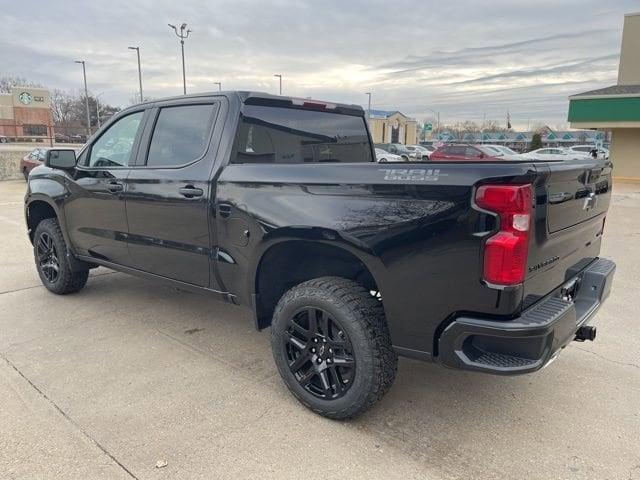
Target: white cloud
column 464, row 58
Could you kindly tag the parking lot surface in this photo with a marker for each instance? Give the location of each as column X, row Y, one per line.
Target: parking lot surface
column 110, row 381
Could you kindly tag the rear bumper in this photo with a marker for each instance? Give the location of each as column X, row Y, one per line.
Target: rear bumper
column 530, row 341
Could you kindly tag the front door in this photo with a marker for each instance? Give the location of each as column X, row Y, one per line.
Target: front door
column 168, row 200
column 95, row 210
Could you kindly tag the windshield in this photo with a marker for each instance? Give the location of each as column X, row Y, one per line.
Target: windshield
column 508, row 151
column 290, row 135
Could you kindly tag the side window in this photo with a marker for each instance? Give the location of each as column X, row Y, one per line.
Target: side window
column 113, row 148
column 180, row 136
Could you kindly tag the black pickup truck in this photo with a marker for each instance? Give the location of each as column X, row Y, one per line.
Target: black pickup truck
column 277, row 204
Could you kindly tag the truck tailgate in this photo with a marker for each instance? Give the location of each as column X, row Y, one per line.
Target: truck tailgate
column 571, row 203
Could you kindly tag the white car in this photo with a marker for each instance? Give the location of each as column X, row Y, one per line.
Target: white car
column 555, row 153
column 602, row 152
column 383, row 156
column 420, row 152
column 501, row 150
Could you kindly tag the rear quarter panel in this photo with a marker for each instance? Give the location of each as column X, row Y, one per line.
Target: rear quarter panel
column 413, row 226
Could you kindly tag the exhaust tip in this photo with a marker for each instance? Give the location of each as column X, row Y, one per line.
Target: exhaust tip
column 585, row 332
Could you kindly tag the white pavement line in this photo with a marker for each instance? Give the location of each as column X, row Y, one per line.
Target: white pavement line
column 2, row 204
column 67, row 417
column 12, row 222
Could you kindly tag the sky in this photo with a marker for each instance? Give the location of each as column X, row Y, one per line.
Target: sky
column 468, row 60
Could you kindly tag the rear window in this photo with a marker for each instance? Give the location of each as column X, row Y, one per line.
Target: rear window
column 288, row 135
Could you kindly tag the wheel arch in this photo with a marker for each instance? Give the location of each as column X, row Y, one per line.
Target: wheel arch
column 39, row 207
column 286, row 262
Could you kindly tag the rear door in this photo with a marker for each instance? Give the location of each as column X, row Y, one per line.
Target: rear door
column 170, row 190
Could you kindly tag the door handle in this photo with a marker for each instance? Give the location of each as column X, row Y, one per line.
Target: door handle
column 114, row 187
column 190, row 191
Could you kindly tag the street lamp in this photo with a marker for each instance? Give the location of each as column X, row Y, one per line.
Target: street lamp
column 86, row 96
column 437, row 116
column 279, row 75
column 182, row 36
column 137, row 49
column 219, row 85
column 368, row 106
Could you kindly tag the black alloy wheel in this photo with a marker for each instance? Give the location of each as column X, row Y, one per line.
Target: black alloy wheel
column 48, row 261
column 53, row 262
column 319, row 353
column 332, row 346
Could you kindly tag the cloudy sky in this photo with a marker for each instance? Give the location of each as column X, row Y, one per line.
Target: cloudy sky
column 465, row 58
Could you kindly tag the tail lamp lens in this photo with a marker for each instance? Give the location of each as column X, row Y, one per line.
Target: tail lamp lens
column 506, row 252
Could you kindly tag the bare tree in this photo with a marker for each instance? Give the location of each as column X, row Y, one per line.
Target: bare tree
column 7, row 83
column 63, row 107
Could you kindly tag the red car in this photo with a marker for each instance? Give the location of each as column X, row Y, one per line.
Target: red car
column 31, row 160
column 465, row 153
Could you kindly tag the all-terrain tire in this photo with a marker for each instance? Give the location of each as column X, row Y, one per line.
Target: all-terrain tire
column 362, row 319
column 66, row 279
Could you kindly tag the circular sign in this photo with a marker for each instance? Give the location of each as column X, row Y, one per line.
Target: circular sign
column 25, row 98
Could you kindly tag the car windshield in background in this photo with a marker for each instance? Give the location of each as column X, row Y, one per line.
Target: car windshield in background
column 488, row 151
column 289, row 135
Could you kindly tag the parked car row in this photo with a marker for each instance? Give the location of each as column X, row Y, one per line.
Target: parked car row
column 407, row 153
column 397, row 152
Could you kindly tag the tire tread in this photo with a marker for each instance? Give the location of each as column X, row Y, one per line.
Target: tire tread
column 360, row 304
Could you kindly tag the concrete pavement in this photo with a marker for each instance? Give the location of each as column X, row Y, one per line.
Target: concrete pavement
column 108, row 382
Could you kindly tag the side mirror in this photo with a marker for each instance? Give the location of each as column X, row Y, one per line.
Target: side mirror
column 61, row 159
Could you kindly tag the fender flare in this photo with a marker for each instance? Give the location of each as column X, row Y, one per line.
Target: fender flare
column 316, row 235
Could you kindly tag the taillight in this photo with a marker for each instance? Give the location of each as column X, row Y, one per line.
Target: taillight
column 505, row 252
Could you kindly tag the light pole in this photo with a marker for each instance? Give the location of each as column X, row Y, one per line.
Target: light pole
column 437, row 117
column 219, row 85
column 86, row 97
column 182, row 36
column 368, row 106
column 137, row 49
column 279, row 75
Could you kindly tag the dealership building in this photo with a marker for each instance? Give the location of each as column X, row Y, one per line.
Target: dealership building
column 26, row 112
column 392, row 127
column 617, row 108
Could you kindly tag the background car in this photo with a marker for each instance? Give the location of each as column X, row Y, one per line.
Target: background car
column 384, row 156
column 31, row 160
column 500, row 150
column 397, row 149
column 602, row 152
column 460, row 153
column 419, row 152
column 554, row 153
column 62, row 138
column 3, row 139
